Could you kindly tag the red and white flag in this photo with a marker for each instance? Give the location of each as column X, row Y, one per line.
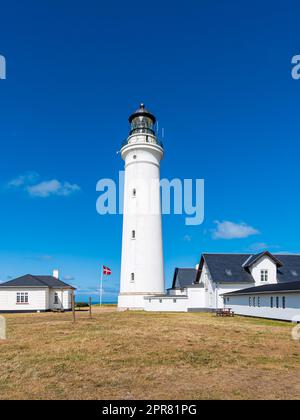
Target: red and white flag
column 106, row 271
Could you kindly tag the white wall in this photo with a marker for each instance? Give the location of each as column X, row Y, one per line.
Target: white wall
column 37, row 299
column 64, row 299
column 240, row 305
column 166, row 304
column 265, row 263
column 196, row 297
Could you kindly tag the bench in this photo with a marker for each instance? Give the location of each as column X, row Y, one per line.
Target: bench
column 224, row 312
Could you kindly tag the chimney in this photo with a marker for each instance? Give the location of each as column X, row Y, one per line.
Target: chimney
column 56, row 274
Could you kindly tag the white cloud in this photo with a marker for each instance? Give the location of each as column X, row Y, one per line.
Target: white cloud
column 25, row 179
column 261, row 246
column 28, row 182
column 230, row 230
column 258, row 246
column 68, row 278
column 53, row 187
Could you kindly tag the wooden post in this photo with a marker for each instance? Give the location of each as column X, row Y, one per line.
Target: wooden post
column 90, row 307
column 73, row 307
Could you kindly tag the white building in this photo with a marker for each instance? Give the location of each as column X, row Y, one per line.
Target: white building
column 35, row 294
column 142, row 270
column 258, row 285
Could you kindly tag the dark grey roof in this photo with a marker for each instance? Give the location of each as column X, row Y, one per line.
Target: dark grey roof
column 268, row 288
column 184, row 277
column 227, row 268
column 234, row 268
column 290, row 270
column 36, row 281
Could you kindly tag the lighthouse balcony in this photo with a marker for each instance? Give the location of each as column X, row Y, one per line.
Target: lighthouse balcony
column 143, row 139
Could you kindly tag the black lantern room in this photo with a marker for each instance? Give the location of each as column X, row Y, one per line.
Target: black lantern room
column 142, row 121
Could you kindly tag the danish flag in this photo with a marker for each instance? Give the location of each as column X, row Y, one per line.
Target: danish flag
column 106, row 271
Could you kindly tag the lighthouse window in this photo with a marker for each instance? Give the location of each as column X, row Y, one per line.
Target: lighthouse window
column 134, row 156
column 132, row 277
column 134, row 192
column 133, row 234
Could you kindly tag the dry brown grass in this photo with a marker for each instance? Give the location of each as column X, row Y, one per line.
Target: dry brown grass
column 136, row 355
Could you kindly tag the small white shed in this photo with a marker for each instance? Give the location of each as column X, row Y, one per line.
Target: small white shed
column 31, row 293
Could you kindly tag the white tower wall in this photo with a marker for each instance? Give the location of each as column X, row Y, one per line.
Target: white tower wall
column 142, row 270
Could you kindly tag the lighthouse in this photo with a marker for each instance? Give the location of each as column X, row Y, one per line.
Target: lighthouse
column 142, row 267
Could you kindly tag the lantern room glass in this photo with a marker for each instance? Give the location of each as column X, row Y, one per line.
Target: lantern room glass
column 142, row 124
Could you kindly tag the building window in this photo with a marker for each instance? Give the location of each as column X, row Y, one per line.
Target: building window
column 55, row 298
column 250, row 302
column 132, row 277
column 22, row 297
column 228, row 300
column 160, row 300
column 134, row 156
column 254, row 302
column 264, row 275
column 272, row 302
column 134, row 192
column 133, row 234
column 277, row 302
column 258, row 302
column 174, row 300
column 283, row 302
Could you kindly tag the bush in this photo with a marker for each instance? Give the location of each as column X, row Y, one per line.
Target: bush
column 81, row 305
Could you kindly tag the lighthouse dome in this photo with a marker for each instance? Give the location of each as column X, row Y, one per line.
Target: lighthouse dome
column 142, row 112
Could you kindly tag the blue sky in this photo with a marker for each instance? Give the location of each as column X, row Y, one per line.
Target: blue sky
column 218, row 77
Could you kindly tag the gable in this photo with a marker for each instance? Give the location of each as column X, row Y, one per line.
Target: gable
column 254, row 259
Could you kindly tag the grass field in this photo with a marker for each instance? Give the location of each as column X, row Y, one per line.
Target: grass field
column 136, row 355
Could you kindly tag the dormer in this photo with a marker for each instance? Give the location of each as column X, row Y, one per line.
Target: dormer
column 263, row 268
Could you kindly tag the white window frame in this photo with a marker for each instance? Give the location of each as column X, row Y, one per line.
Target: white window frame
column 264, row 276
column 22, row 298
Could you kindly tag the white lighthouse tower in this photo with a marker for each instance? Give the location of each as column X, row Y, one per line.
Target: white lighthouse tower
column 142, row 271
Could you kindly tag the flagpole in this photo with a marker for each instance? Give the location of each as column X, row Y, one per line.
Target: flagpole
column 101, row 286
